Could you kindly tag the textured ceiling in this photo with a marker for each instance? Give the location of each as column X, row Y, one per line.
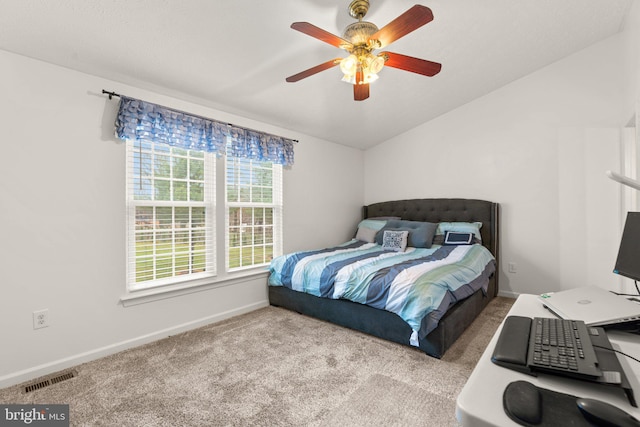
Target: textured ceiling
column 234, row 55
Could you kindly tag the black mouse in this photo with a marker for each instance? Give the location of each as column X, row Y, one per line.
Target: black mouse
column 604, row 414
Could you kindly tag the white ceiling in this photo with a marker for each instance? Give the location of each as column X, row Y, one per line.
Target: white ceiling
column 234, row 55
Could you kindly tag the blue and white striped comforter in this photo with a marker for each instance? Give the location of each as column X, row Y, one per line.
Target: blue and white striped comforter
column 414, row 284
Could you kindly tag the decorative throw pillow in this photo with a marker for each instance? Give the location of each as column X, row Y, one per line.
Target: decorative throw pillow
column 420, row 233
column 366, row 234
column 395, row 240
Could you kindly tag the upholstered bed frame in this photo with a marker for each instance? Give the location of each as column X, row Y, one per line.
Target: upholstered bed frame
column 390, row 326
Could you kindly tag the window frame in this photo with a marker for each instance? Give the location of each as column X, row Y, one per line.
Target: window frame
column 220, row 274
column 135, row 150
column 276, row 206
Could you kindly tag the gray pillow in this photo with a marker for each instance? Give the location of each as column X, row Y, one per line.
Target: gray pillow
column 366, row 234
column 420, row 233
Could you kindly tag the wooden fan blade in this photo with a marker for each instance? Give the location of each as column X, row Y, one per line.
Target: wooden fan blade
column 409, row 63
column 320, row 34
column 313, row 70
column 409, row 21
column 360, row 89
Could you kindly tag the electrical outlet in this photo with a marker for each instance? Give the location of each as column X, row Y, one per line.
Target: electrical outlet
column 41, row 319
column 513, row 268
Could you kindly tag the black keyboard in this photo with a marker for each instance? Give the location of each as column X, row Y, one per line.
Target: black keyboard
column 550, row 345
column 564, row 345
column 560, row 347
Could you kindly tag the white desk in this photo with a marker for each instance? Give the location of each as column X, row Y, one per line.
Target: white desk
column 480, row 402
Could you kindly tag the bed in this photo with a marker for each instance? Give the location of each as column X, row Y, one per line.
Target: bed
column 457, row 309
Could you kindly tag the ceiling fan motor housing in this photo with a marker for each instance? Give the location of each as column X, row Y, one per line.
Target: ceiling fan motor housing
column 359, row 32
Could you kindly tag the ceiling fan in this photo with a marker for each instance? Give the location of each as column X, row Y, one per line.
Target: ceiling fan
column 360, row 39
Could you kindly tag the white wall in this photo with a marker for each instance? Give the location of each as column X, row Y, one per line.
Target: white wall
column 631, row 71
column 540, row 147
column 324, row 194
column 62, row 198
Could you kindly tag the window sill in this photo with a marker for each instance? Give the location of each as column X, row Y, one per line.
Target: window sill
column 170, row 291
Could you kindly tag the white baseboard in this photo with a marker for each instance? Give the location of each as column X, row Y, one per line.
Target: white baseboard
column 508, row 294
column 68, row 362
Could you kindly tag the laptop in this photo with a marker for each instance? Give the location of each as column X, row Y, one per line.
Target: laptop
column 594, row 306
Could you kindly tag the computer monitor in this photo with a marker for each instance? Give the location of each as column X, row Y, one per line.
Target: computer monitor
column 628, row 262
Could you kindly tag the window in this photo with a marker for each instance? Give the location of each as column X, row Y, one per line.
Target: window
column 253, row 212
column 171, row 214
column 172, row 211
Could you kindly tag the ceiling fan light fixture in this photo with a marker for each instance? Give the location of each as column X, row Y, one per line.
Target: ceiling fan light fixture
column 349, row 78
column 349, row 65
column 373, row 64
column 368, row 78
column 379, row 63
column 369, row 63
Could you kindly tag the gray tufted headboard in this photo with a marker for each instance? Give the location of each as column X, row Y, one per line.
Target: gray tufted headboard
column 441, row 210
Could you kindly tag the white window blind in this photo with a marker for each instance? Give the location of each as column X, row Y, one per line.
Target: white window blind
column 171, row 214
column 253, row 213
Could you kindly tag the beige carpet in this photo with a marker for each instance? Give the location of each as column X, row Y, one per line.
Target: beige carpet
column 383, row 401
column 271, row 367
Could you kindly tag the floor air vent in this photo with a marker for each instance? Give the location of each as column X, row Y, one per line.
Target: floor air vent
column 50, row 381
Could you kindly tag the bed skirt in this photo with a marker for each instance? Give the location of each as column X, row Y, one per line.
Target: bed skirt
column 384, row 324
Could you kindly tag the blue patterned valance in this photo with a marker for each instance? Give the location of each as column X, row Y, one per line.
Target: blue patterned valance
column 140, row 120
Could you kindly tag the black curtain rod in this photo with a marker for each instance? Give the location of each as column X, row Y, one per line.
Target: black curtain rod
column 112, row 94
